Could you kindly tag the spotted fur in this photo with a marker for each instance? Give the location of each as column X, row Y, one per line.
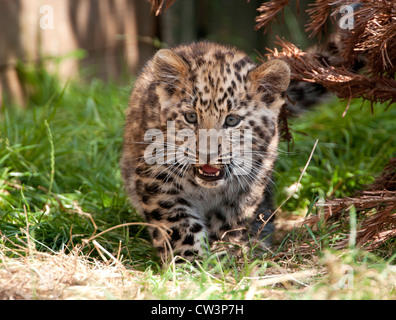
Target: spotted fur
column 213, row 82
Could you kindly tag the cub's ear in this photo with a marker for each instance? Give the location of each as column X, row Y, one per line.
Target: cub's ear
column 272, row 76
column 168, row 64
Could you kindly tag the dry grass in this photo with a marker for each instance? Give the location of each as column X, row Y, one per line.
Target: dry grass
column 27, row 274
column 377, row 203
column 62, row 275
column 73, row 275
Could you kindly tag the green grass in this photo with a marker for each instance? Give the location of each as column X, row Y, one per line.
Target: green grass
column 351, row 150
column 59, row 172
column 62, row 154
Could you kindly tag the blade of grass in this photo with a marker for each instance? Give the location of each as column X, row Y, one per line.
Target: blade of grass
column 52, row 155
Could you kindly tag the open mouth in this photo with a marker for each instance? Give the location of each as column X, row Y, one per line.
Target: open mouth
column 209, row 173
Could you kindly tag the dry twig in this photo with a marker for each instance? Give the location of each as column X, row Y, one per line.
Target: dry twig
column 160, row 6
column 378, row 205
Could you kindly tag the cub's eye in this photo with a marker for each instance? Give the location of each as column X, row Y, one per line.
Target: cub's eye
column 232, row 121
column 191, row 117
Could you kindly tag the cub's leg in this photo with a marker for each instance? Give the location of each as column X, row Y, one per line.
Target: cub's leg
column 185, row 233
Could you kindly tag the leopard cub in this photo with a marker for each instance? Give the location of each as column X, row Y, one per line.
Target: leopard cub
column 200, row 143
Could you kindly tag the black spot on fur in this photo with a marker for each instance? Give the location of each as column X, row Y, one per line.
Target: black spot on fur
column 178, row 186
column 140, row 170
column 166, row 204
column 170, row 90
column 195, row 102
column 267, row 98
column 146, row 198
column 265, row 121
column 263, row 147
column 211, row 81
column 164, row 177
column 219, row 56
column 259, row 132
column 153, row 215
column 152, row 98
column 175, row 236
column 155, row 234
column 172, row 191
column 178, row 216
column 196, row 228
column 183, row 202
column 199, row 62
column 190, row 253
column 218, row 214
column 230, row 91
column 193, row 182
column 241, row 63
column 161, row 249
column 139, row 186
column 225, row 227
column 189, row 240
column 229, row 105
column 213, row 237
column 223, row 98
column 152, row 188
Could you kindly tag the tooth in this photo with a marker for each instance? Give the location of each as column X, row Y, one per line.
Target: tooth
column 200, row 171
column 217, row 173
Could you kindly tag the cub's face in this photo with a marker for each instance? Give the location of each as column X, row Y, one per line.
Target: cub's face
column 219, row 113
